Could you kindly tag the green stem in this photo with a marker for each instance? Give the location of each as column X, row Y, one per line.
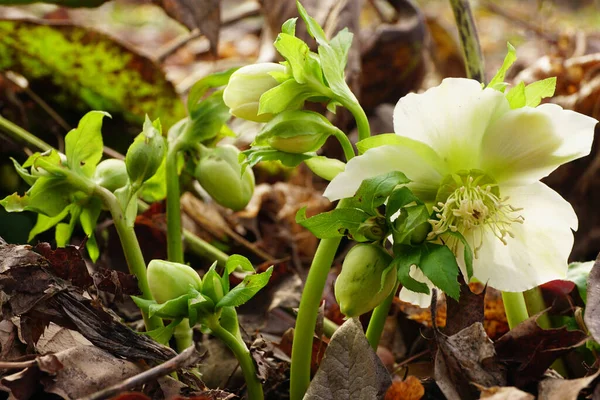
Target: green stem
column 469, row 39
column 515, row 308
column 174, row 239
column 22, row 135
column 377, row 321
column 307, row 316
column 241, row 352
column 131, row 249
column 346, row 145
column 184, row 335
column 362, row 122
column 329, row 327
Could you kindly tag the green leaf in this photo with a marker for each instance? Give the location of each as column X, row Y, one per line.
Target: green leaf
column 236, row 261
column 44, row 222
column 305, row 67
column 88, row 70
column 255, row 155
column 333, row 62
column 404, row 257
column 312, row 26
column 536, row 91
column 374, row 191
column 46, row 163
column 175, row 308
column 516, row 96
column 84, row 144
column 64, row 231
column 467, row 253
column 289, row 26
column 49, row 196
column 164, row 334
column 245, row 290
column 15, row 203
column 88, row 219
column 497, row 81
column 199, row 306
column 438, row 263
column 199, row 88
column 23, row 173
column 578, row 273
column 335, row 223
column 289, row 95
column 206, row 120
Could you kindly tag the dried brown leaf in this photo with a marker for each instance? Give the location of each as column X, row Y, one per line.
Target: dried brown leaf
column 505, row 393
column 464, row 358
column 463, row 313
column 350, row 368
column 592, row 307
column 66, row 263
column 564, row 389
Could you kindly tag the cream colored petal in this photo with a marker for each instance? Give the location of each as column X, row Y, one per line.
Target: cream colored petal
column 451, row 118
column 423, row 168
column 526, row 144
column 540, row 249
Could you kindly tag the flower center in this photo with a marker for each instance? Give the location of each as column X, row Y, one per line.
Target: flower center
column 470, row 202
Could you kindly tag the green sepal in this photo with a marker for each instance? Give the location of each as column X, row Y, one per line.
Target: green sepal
column 199, row 88
column 163, row 335
column 245, row 290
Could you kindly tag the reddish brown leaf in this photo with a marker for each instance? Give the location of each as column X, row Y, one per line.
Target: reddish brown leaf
column 116, row 282
column 530, row 350
column 463, row 313
column 66, row 263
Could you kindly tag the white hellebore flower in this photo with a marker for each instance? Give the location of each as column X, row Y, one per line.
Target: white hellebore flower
column 478, row 163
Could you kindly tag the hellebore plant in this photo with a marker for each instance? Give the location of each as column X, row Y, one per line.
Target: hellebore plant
column 79, row 185
column 181, row 296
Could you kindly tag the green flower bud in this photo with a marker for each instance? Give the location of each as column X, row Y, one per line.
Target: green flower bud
column 212, row 286
column 326, row 168
column 169, row 280
column 220, row 174
column 405, row 230
column 357, row 288
column 145, row 154
column 296, row 131
column 111, row 174
column 246, row 85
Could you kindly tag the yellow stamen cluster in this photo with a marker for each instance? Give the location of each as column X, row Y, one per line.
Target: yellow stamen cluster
column 471, row 209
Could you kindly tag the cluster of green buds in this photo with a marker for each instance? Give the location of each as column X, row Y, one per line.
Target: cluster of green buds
column 366, row 279
column 220, row 173
column 180, row 293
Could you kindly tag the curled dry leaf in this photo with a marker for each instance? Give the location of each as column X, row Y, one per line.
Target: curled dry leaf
column 463, row 313
column 350, row 368
column 592, row 308
column 465, row 358
column 66, row 263
column 564, row 389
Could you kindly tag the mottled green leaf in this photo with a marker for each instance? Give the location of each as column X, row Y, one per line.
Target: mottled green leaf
column 89, row 69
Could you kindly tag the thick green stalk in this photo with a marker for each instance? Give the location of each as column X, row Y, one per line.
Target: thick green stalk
column 515, row 308
column 377, row 321
column 174, row 239
column 16, row 132
column 241, row 352
column 184, row 335
column 131, row 249
column 307, row 316
column 346, row 145
column 362, row 122
column 469, row 39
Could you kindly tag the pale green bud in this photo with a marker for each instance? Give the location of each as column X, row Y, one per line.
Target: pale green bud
column 169, row 280
column 219, row 172
column 357, row 288
column 111, row 174
column 296, row 131
column 326, row 168
column 145, row 154
column 246, row 85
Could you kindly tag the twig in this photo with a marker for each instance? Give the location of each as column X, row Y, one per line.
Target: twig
column 17, row 364
column 402, row 363
column 186, row 358
column 177, row 43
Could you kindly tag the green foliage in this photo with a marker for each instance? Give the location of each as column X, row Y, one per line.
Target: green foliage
column 146, row 153
column 90, row 70
column 84, row 144
column 497, row 81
